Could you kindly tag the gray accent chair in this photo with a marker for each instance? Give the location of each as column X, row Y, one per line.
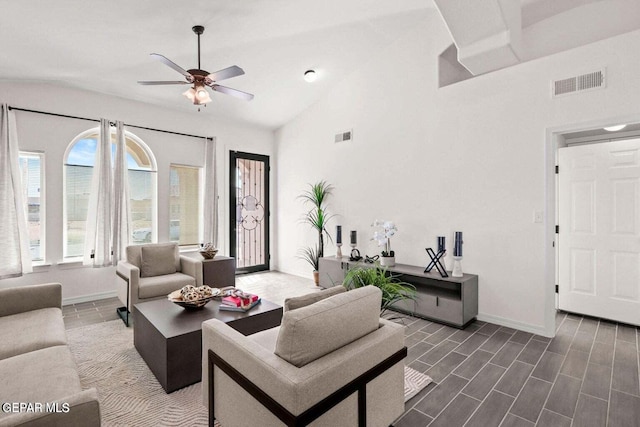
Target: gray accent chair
column 152, row 271
column 36, row 365
column 331, row 362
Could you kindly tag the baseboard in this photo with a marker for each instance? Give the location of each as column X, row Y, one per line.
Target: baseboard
column 87, row 298
column 526, row 327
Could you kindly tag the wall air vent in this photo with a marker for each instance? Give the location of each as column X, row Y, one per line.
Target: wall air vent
column 589, row 81
column 347, row 135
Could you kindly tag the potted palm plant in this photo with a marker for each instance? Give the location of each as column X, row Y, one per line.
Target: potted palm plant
column 393, row 289
column 311, row 255
column 317, row 217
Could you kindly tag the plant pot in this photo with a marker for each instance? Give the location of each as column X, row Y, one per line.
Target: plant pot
column 388, row 261
column 316, row 278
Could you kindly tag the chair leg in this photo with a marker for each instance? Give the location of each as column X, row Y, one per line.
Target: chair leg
column 124, row 314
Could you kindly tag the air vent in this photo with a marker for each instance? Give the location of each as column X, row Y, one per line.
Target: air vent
column 344, row 136
column 589, row 81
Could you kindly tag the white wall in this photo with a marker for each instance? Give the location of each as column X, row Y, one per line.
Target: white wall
column 53, row 134
column 468, row 157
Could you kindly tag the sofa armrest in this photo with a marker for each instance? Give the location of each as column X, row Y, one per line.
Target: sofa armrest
column 297, row 389
column 83, row 410
column 27, row 298
column 192, row 267
column 128, row 272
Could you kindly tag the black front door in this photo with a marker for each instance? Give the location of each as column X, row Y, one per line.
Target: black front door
column 249, row 211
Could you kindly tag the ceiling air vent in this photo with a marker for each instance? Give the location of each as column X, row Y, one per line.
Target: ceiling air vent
column 589, row 81
column 344, row 136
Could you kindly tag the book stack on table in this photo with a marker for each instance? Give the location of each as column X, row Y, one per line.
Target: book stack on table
column 241, row 301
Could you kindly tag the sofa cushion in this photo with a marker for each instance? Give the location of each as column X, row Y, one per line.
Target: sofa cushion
column 310, row 332
column 158, row 260
column 44, row 375
column 305, row 300
column 31, row 330
column 134, row 253
column 155, row 286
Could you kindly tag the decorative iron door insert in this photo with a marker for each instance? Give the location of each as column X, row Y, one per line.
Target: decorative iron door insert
column 249, row 211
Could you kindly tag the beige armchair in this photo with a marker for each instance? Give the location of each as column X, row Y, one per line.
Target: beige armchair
column 332, row 362
column 153, row 271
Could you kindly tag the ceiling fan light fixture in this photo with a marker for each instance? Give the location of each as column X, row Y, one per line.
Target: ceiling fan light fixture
column 310, row 76
column 190, row 94
column 198, row 95
column 202, row 95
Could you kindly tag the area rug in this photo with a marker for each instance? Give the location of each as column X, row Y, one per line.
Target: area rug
column 128, row 391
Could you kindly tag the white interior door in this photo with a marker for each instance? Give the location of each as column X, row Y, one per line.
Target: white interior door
column 599, row 235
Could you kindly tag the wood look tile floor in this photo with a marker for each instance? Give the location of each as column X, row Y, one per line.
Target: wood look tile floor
column 487, row 375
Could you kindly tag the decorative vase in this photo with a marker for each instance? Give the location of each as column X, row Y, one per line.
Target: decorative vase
column 388, row 261
column 316, row 277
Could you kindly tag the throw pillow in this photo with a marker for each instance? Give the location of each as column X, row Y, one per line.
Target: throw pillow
column 310, row 332
column 158, row 260
column 305, row 300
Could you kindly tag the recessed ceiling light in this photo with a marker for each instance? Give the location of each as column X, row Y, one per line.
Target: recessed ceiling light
column 615, row 128
column 310, row 76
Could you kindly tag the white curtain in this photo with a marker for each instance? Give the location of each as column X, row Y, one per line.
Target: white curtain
column 97, row 242
column 121, row 209
column 210, row 232
column 15, row 259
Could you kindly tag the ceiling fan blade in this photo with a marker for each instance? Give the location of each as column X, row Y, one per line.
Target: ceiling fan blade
column 227, row 73
column 234, row 92
column 173, row 65
column 159, row 82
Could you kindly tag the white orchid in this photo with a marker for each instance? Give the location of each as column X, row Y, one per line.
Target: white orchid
column 383, row 236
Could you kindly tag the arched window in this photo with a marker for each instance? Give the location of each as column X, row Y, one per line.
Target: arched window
column 78, row 169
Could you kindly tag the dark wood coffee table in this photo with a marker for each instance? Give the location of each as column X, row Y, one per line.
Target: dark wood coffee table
column 169, row 337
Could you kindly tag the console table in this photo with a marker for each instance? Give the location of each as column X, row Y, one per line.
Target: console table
column 450, row 300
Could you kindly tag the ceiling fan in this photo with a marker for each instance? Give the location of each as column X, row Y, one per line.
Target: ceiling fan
column 201, row 78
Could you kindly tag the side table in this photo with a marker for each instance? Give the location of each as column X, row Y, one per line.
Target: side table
column 219, row 271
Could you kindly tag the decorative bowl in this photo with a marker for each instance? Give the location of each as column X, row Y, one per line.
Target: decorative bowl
column 192, row 305
column 177, row 297
column 209, row 254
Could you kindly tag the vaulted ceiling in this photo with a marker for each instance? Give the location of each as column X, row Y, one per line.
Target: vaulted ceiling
column 104, row 45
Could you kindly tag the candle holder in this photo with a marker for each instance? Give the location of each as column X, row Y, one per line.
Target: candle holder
column 457, row 267
column 339, row 241
column 457, row 254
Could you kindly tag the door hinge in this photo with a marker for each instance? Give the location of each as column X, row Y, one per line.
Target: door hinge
column 557, row 229
column 556, row 289
column 557, row 168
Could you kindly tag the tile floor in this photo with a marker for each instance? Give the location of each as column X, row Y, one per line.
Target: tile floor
column 487, row 375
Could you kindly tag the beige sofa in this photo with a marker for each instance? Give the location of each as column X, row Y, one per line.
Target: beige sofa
column 36, row 366
column 153, row 271
column 333, row 361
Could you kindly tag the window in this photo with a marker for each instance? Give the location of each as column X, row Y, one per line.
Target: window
column 32, row 171
column 78, row 167
column 184, row 205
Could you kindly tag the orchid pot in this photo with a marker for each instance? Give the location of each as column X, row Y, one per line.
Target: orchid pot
column 383, row 238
